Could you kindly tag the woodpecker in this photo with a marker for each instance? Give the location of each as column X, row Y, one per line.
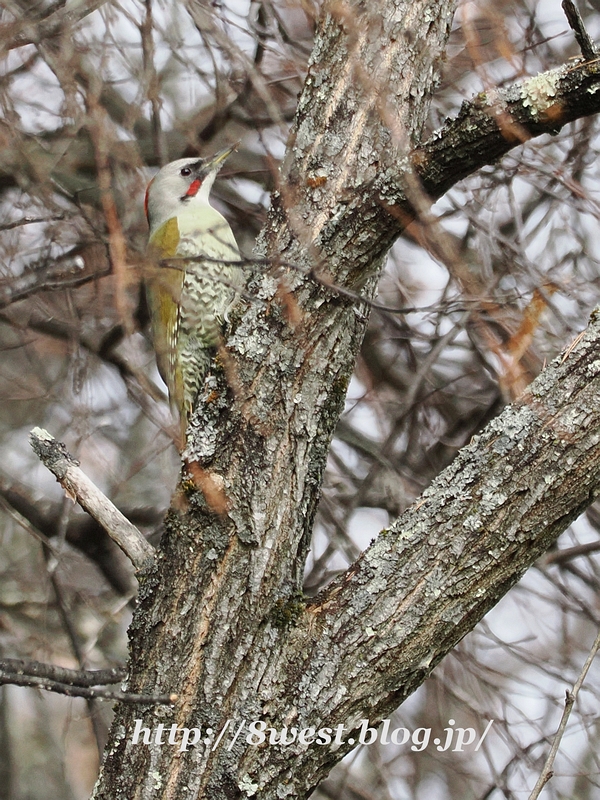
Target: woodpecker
column 189, row 301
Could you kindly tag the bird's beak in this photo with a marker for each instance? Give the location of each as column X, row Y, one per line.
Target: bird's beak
column 204, row 168
column 217, row 160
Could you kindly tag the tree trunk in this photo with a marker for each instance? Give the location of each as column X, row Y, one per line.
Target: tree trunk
column 220, row 619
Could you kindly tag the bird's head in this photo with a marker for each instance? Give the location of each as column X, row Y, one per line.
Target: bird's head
column 181, row 184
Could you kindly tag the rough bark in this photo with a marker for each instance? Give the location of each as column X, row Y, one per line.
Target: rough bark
column 371, row 638
column 220, row 620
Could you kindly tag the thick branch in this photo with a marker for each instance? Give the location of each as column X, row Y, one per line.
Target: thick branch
column 491, row 125
column 374, row 634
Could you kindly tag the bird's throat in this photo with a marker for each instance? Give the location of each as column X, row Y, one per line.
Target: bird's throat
column 193, row 189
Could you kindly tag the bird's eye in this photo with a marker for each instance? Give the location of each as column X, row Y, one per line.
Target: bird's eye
column 186, row 172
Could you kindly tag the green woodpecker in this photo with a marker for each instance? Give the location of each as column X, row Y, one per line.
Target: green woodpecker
column 188, row 300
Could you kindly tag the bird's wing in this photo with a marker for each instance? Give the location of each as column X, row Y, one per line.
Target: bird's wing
column 163, row 288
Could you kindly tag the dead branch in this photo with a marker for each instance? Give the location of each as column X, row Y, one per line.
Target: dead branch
column 54, row 455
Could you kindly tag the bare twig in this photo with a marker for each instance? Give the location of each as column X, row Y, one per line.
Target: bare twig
column 72, row 677
column 18, row 223
column 153, row 85
column 83, row 533
column 102, row 136
column 78, row 486
column 569, row 553
column 97, row 724
column 571, row 697
column 27, row 31
column 584, row 40
column 56, row 276
column 90, row 693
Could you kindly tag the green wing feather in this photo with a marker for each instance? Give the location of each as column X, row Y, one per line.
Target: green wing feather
column 163, row 290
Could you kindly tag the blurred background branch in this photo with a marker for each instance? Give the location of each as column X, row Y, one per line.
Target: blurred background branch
column 178, row 79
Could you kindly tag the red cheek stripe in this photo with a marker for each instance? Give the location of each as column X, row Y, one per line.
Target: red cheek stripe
column 194, row 187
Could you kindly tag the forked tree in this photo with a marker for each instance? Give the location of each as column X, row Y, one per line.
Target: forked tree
column 221, row 621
